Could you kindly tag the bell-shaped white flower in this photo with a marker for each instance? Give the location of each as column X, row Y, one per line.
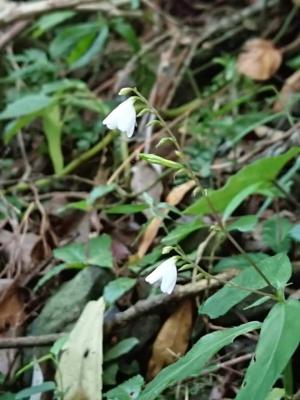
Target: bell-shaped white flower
column 123, row 117
column 166, row 274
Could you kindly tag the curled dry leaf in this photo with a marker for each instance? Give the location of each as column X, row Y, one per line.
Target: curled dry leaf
column 172, row 340
column 173, row 198
column 288, row 90
column 259, row 59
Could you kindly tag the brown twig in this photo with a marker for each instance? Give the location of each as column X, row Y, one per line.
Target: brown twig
column 11, row 11
column 13, row 31
column 142, row 307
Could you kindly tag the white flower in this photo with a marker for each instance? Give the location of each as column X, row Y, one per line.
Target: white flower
column 122, row 117
column 166, row 274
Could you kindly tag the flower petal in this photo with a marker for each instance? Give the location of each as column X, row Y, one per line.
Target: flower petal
column 123, row 117
column 166, row 272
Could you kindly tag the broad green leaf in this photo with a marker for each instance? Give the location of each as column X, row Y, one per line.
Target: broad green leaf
column 53, row 129
column 94, row 50
column 276, row 394
column 193, row 362
column 279, row 338
column 276, row 232
column 243, row 224
column 44, row 387
column 99, row 251
column 96, row 252
column 68, row 38
column 115, row 289
column 295, row 233
column 238, row 261
column 128, row 390
column 277, row 269
column 26, row 105
column 127, row 32
column 120, row 349
column 238, row 199
column 71, row 253
column 13, row 127
column 126, row 209
column 48, row 21
column 54, row 272
column 181, row 231
column 262, row 171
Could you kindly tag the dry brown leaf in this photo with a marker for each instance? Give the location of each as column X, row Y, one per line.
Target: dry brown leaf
column 259, row 59
column 173, row 198
column 172, row 340
column 290, row 88
column 11, row 317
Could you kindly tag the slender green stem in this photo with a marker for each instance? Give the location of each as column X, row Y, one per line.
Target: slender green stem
column 203, row 191
column 42, row 182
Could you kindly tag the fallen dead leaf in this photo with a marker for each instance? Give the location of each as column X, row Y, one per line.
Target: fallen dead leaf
column 172, row 340
column 79, row 373
column 259, row 59
column 173, row 199
column 289, row 89
column 11, row 317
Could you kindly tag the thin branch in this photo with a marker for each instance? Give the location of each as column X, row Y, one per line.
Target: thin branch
column 11, row 11
column 139, row 309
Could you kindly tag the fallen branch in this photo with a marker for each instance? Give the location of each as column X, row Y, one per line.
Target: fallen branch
column 11, row 11
column 12, row 32
column 142, row 307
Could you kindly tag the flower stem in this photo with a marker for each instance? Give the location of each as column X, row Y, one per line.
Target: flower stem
column 203, row 191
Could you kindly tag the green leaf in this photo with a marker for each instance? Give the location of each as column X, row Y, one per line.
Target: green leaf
column 127, row 32
column 13, row 127
column 53, row 129
column 54, row 272
column 94, row 50
column 120, row 349
column 128, row 390
column 244, row 224
column 238, row 261
column 181, row 231
column 126, row 209
column 263, row 171
column 154, row 159
column 115, row 289
column 99, row 251
column 238, row 199
column 295, row 233
column 276, row 232
column 44, row 387
column 277, row 269
column 68, row 40
column 193, row 362
column 26, row 105
column 276, row 394
column 48, row 21
column 279, row 338
column 72, row 253
column 100, row 191
column 96, row 252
